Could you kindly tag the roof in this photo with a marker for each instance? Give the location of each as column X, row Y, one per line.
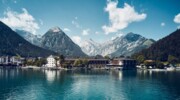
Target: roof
column 123, row 59
column 51, row 56
column 149, row 61
column 90, row 59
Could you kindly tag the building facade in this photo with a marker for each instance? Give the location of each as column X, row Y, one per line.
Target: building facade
column 97, row 62
column 16, row 60
column 90, row 62
column 51, row 62
column 124, row 63
column 11, row 61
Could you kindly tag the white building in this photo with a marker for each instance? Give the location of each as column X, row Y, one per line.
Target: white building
column 7, row 60
column 4, row 60
column 51, row 62
column 16, row 60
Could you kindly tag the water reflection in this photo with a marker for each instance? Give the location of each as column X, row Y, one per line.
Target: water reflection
column 50, row 75
column 9, row 73
column 90, row 85
column 120, row 75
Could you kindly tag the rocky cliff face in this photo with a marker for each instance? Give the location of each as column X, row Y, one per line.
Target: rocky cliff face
column 125, row 45
column 56, row 40
column 34, row 39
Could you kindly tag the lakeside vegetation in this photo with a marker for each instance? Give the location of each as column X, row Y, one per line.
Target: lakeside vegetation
column 37, row 62
column 164, row 52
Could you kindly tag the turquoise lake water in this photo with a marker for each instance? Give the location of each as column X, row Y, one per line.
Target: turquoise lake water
column 16, row 84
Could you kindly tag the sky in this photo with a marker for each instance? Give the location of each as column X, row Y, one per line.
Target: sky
column 100, row 20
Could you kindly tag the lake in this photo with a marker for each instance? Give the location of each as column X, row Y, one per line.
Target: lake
column 27, row 84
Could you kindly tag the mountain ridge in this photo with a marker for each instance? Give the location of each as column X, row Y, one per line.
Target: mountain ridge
column 34, row 39
column 124, row 45
column 13, row 44
column 163, row 48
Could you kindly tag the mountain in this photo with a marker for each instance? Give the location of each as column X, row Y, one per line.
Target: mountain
column 13, row 44
column 56, row 40
column 124, row 45
column 34, row 39
column 130, row 44
column 162, row 49
column 90, row 47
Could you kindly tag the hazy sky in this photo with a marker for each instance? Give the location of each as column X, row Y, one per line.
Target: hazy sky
column 100, row 20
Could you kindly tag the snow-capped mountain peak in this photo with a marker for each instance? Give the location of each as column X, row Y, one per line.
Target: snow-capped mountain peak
column 55, row 29
column 56, row 40
column 121, row 45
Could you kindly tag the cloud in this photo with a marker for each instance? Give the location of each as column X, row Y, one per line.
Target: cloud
column 85, row 32
column 120, row 18
column 75, row 23
column 15, row 1
column 76, row 18
column 163, row 24
column 6, row 1
column 41, row 21
column 177, row 18
column 96, row 32
column 178, row 27
column 67, row 30
column 77, row 40
column 23, row 20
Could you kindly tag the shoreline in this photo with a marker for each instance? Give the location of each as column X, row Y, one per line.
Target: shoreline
column 56, row 68
column 79, row 68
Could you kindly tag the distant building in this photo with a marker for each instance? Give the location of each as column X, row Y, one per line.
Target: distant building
column 98, row 62
column 11, row 61
column 91, row 62
column 16, row 60
column 149, row 64
column 4, row 60
column 51, row 61
column 124, row 63
column 30, row 59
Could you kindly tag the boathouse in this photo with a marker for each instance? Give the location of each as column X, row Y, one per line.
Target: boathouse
column 123, row 63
